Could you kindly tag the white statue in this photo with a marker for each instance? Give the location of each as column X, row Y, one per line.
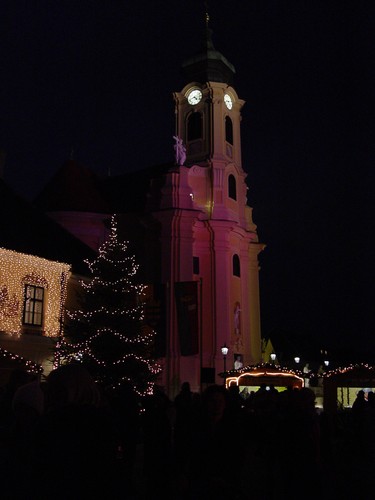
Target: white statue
column 180, row 150
column 238, row 363
column 236, row 318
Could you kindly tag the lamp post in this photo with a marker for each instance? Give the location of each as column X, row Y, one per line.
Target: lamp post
column 224, row 352
column 273, row 357
column 297, row 359
column 326, row 363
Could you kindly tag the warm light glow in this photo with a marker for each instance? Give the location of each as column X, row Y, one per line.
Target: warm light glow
column 262, row 370
column 17, row 270
column 224, row 350
column 346, row 369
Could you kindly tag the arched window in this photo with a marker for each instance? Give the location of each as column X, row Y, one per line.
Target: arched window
column 228, row 130
column 236, row 265
column 194, row 126
column 232, row 189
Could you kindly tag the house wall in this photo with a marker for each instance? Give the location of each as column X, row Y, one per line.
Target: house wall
column 18, row 269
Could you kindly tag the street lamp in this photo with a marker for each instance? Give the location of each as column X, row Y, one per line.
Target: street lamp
column 326, row 362
column 224, row 352
column 273, row 357
column 297, row 359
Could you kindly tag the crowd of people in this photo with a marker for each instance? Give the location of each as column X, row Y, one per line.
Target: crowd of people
column 67, row 438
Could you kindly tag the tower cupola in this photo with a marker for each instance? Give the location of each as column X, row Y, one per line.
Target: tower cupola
column 208, row 65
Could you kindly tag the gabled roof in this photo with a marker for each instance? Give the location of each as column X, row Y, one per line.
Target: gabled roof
column 73, row 188
column 26, row 229
column 133, row 192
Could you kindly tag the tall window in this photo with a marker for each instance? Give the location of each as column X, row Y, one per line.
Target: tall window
column 33, row 305
column 236, row 266
column 195, row 265
column 228, row 130
column 232, row 190
column 194, row 126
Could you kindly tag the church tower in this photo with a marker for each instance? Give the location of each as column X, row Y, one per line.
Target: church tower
column 209, row 235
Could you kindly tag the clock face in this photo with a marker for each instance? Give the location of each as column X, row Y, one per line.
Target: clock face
column 195, row 96
column 228, row 101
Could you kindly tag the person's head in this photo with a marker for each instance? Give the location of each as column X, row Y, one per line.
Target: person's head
column 361, row 394
column 185, row 387
column 28, row 400
column 214, row 402
column 71, row 384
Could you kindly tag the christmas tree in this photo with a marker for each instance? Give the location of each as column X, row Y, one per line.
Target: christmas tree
column 107, row 334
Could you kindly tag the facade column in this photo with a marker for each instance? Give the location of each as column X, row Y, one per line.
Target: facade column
column 221, row 284
column 254, row 303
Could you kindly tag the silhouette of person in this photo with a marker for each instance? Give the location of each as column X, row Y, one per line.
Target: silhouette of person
column 79, row 432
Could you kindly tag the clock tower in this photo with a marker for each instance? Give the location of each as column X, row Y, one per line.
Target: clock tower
column 209, row 234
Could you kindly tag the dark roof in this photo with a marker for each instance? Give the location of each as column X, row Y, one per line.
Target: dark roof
column 73, row 188
column 135, row 191
column 209, row 65
column 24, row 228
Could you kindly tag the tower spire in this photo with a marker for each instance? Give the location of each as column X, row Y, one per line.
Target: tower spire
column 209, row 64
column 207, row 15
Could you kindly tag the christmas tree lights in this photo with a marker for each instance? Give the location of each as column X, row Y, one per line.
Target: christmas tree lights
column 107, row 332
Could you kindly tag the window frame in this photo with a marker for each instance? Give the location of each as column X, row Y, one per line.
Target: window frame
column 31, row 315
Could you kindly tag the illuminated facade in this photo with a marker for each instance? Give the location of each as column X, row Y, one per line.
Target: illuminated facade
column 190, row 228
column 32, row 295
column 209, row 232
column 40, row 264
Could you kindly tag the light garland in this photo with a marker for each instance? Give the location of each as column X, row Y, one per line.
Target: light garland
column 265, row 366
column 350, row 368
column 30, row 366
column 18, row 269
column 261, row 370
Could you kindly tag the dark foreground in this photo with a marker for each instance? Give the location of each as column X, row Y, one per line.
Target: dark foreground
column 68, row 440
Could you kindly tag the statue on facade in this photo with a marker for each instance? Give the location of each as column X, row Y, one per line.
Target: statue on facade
column 180, row 151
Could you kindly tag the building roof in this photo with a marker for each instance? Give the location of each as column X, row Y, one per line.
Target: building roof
column 209, row 65
column 24, row 228
column 134, row 191
column 74, row 187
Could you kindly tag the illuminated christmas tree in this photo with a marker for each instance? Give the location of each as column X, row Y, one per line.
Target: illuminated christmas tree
column 107, row 334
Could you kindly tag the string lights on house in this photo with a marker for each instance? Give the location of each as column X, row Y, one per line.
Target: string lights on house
column 30, row 366
column 19, row 269
column 350, row 368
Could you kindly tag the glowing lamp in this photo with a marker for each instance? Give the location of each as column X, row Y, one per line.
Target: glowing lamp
column 297, row 359
column 224, row 350
column 273, row 356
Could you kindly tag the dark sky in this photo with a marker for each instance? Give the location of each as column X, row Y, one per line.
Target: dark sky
column 97, row 77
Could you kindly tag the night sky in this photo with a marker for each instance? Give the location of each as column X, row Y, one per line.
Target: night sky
column 96, row 77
